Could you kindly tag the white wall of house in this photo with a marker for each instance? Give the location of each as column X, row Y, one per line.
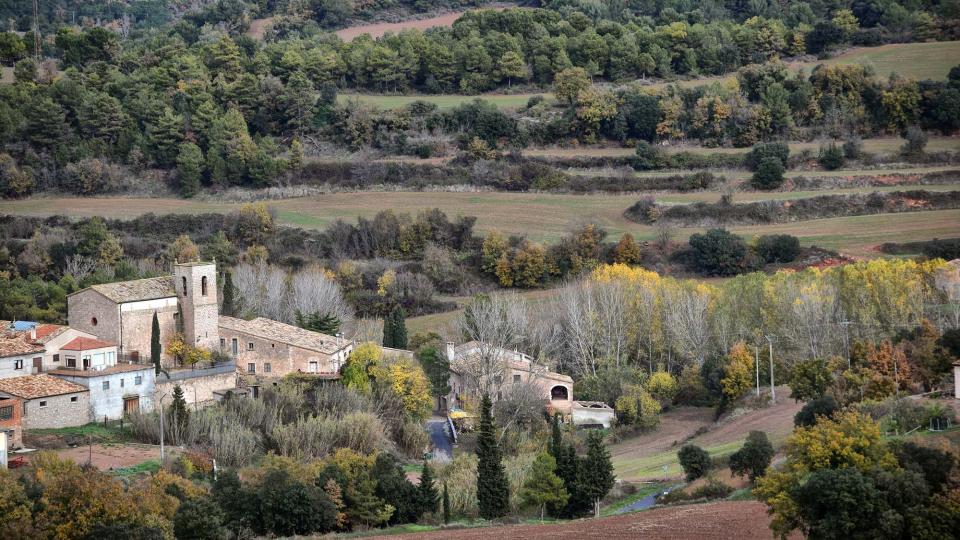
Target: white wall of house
column 108, row 392
column 53, row 357
column 16, row 366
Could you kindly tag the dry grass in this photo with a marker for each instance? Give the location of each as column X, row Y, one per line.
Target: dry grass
column 540, row 217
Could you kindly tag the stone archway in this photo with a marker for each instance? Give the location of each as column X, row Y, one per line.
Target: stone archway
column 559, row 393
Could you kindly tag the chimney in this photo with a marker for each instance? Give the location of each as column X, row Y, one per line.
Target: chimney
column 451, row 352
column 33, row 334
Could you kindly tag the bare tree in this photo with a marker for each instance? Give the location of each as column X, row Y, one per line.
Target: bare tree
column 498, row 324
column 596, row 324
column 687, row 314
column 664, row 232
column 78, row 266
column 312, row 290
column 262, row 290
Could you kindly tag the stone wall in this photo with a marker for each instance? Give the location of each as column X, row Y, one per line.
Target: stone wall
column 200, row 311
column 12, row 425
column 109, row 402
column 58, row 411
column 86, row 305
column 197, row 390
column 138, row 329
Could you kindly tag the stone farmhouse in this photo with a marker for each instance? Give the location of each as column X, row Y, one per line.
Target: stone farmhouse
column 555, row 389
column 48, row 401
column 265, row 348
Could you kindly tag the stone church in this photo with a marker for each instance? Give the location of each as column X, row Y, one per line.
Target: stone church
column 122, row 312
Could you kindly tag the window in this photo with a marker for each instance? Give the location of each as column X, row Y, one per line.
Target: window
column 43, row 403
column 516, row 379
column 223, row 342
column 251, row 368
column 18, row 363
column 93, row 321
column 74, row 399
column 498, row 380
column 250, row 346
column 184, row 278
column 233, row 346
column 267, row 367
column 203, row 286
column 56, row 358
column 106, row 385
column 6, row 413
column 121, row 383
column 138, row 380
column 71, row 362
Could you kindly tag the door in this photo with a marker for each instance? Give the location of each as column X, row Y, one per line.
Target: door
column 38, row 364
column 233, row 347
column 135, row 357
column 131, row 404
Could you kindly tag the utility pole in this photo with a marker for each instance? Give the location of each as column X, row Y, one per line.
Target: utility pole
column 756, row 364
column 161, row 428
column 773, row 392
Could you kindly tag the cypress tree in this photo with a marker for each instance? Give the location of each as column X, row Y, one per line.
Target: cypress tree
column 556, row 438
column 427, row 491
column 395, row 329
column 155, row 344
column 598, row 476
column 446, row 504
column 493, row 490
column 179, row 414
column 229, row 296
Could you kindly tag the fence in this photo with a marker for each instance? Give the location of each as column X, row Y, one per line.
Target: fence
column 180, row 374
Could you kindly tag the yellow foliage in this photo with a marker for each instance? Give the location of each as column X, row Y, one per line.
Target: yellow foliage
column 388, row 278
column 662, row 386
column 407, row 381
column 739, row 371
column 185, row 353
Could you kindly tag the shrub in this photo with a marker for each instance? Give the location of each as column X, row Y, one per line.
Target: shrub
column 769, row 174
column 754, row 457
column 916, row 142
column 821, row 407
column 777, row 150
column 719, row 252
column 853, row 147
column 831, row 157
column 777, row 248
column 647, row 157
column 713, row 489
column 694, row 460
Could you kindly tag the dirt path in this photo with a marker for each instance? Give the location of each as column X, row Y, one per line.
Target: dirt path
column 378, row 29
column 746, row 520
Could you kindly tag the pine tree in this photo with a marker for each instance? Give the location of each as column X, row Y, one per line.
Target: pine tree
column 493, row 490
column 325, row 323
column 598, row 476
column 190, row 164
column 446, row 504
column 543, row 486
column 395, row 329
column 179, row 414
column 155, row 344
column 427, row 491
column 165, row 137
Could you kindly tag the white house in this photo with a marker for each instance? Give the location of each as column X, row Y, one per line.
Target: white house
column 19, row 353
column 115, row 389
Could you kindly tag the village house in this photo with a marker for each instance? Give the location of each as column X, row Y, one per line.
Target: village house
column 11, row 421
column 555, row 389
column 115, row 388
column 18, row 352
column 48, row 401
column 266, row 348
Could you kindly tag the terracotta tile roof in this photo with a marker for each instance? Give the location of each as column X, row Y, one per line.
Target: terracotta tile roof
column 17, row 343
column 85, row 344
column 37, row 386
column 46, row 332
column 136, row 290
column 90, row 373
column 284, row 333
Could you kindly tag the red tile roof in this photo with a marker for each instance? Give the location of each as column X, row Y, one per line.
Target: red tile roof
column 85, row 344
column 37, row 386
column 16, row 344
column 46, row 330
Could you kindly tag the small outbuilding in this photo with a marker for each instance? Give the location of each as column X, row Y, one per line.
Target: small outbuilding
column 593, row 413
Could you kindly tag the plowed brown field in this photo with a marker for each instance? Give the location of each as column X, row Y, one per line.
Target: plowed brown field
column 743, row 520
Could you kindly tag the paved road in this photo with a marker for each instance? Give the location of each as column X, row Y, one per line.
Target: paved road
column 440, row 442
